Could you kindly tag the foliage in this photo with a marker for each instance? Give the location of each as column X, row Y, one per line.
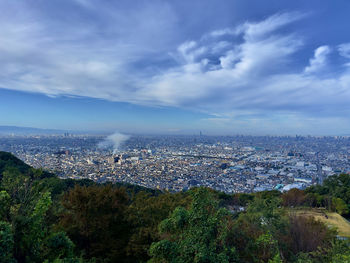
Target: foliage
column 6, row 242
column 47, row 219
column 336, row 186
column 94, row 217
column 8, row 160
column 195, row 235
column 294, row 197
column 5, row 203
column 58, row 246
column 260, row 233
column 308, row 234
column 338, row 252
column 144, row 214
column 34, row 235
column 276, row 259
column 267, row 247
column 340, row 206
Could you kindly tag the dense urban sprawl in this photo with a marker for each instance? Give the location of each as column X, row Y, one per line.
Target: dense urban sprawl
column 175, row 163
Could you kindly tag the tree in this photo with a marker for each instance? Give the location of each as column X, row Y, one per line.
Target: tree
column 267, row 247
column 16, row 185
column 334, row 186
column 5, row 203
column 267, row 215
column 340, row 206
column 340, row 252
column 6, row 242
column 337, row 252
column 198, row 234
column 276, row 259
column 94, row 219
column 8, row 160
column 31, row 230
column 58, row 246
column 259, row 234
column 144, row 215
column 307, row 234
column 293, row 197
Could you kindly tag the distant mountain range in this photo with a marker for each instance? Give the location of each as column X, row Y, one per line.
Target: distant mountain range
column 15, row 130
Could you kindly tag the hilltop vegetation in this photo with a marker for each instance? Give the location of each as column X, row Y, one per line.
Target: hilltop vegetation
column 7, row 160
column 47, row 219
column 331, row 219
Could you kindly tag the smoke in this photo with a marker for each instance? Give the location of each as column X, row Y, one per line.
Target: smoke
column 114, row 141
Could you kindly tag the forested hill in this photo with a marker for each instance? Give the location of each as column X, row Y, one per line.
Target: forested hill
column 47, row 219
column 9, row 160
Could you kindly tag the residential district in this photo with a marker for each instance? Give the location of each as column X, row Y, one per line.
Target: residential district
column 175, row 163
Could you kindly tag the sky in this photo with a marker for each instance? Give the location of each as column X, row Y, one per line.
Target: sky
column 225, row 67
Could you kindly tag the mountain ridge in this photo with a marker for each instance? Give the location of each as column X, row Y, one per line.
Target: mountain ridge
column 17, row 130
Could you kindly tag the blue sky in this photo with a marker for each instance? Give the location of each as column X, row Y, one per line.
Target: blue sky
column 222, row 67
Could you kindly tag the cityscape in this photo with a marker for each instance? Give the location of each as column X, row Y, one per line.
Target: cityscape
column 174, row 131
column 231, row 164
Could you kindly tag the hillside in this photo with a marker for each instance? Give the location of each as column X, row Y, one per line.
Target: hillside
column 331, row 219
column 47, row 219
column 9, row 160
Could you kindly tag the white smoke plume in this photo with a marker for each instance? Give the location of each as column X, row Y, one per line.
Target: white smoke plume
column 114, row 141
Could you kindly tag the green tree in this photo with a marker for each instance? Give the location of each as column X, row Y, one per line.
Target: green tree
column 144, row 215
column 267, row 215
column 198, row 234
column 340, row 206
column 259, row 234
column 8, row 160
column 267, row 247
column 6, row 242
column 16, row 185
column 340, row 252
column 58, row 246
column 94, row 219
column 34, row 229
column 337, row 252
column 276, row 259
column 334, row 186
column 5, row 204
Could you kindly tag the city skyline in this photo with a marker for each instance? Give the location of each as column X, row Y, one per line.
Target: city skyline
column 164, row 67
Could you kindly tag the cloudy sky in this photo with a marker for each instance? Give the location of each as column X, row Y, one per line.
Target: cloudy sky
column 222, row 67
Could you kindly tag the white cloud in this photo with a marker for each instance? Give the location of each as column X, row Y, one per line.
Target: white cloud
column 234, row 79
column 344, row 50
column 319, row 61
column 253, row 31
column 247, row 68
column 223, row 32
column 229, row 59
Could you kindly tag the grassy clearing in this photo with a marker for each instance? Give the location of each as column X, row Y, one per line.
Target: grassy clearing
column 331, row 219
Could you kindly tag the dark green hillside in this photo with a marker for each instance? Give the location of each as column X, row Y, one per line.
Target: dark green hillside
column 46, row 219
column 8, row 160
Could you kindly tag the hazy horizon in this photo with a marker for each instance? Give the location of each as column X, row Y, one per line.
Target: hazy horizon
column 34, row 131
